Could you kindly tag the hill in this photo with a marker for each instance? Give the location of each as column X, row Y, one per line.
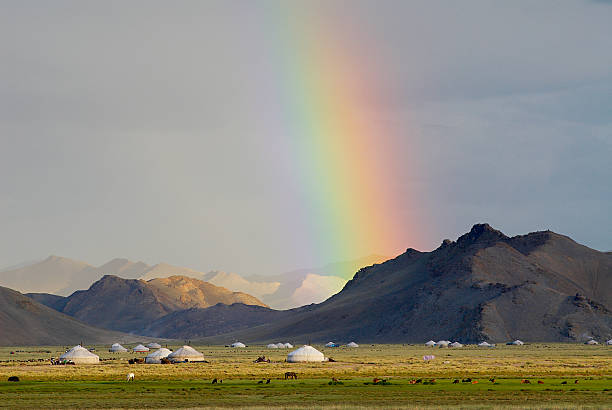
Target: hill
column 215, row 320
column 130, row 304
column 485, row 286
column 24, row 322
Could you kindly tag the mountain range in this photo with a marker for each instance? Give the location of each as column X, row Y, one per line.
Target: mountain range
column 485, row 285
column 63, row 276
column 24, row 322
column 128, row 305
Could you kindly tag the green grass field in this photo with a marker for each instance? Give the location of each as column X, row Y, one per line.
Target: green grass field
column 189, row 385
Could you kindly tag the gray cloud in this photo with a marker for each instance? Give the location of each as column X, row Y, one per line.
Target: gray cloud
column 155, row 131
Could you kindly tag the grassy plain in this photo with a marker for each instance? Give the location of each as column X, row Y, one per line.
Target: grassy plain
column 188, row 385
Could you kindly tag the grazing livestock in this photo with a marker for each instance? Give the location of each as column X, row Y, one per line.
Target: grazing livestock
column 268, row 381
column 261, row 359
column 525, row 381
column 130, row 377
column 564, row 382
column 576, row 381
column 419, row 381
column 290, row 375
column 468, row 380
column 540, row 382
column 260, row 382
column 214, row 381
column 492, row 380
column 455, row 381
column 13, row 379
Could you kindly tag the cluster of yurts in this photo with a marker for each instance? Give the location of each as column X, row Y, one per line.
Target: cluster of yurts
column 80, row 355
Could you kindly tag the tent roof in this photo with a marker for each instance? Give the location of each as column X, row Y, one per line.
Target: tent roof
column 352, row 344
column 305, row 354
column 159, row 353
column 153, row 345
column 78, row 351
column 140, row 348
column 186, row 352
column 238, row 344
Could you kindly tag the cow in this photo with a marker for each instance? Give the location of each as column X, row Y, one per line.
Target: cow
column 290, row 375
column 540, row 382
column 455, row 381
column 13, row 379
column 130, row 377
column 564, row 382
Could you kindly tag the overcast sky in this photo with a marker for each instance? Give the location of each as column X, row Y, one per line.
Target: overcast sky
column 143, row 129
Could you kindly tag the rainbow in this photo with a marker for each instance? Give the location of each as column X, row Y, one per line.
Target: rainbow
column 346, row 151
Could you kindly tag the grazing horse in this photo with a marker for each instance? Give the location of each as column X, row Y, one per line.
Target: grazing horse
column 130, row 377
column 290, row 375
column 268, row 381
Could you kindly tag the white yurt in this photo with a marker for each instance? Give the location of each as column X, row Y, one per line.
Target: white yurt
column 591, row 342
column 305, row 354
column 80, row 355
column 280, row 345
column 431, row 343
column 117, row 348
column 609, row 342
column 237, row 344
column 140, row 349
column 272, row 346
column 156, row 356
column 517, row 343
column 443, row 343
column 484, row 344
column 330, row 344
column 352, row 344
column 455, row 344
column 186, row 353
column 288, row 346
column 154, row 345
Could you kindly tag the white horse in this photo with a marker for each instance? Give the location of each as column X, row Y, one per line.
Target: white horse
column 130, row 376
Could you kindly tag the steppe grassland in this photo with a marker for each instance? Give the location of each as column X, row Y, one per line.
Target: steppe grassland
column 402, row 361
column 189, row 385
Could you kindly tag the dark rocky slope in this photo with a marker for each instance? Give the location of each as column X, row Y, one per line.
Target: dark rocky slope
column 537, row 287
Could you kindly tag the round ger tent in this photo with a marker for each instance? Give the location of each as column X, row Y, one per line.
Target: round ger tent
column 140, row 349
column 117, row 348
column 431, row 343
column 331, row 344
column 290, row 346
column 352, row 344
column 80, row 355
column 592, row 342
column 455, row 344
column 516, row 343
column 156, row 356
column 609, row 342
column 305, row 354
column 186, row 353
column 443, row 343
column 484, row 344
column 272, row 346
column 280, row 345
column 238, row 344
column 154, row 345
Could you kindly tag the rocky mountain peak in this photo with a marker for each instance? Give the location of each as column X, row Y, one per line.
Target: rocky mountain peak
column 481, row 233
